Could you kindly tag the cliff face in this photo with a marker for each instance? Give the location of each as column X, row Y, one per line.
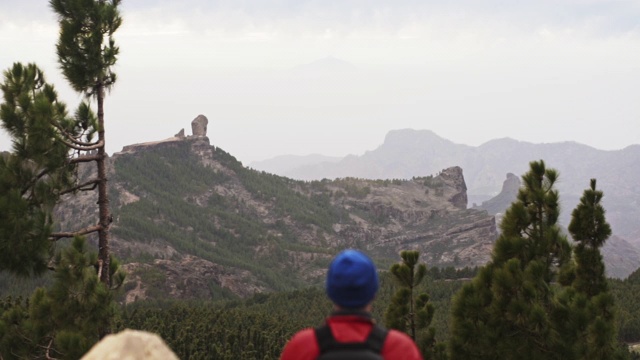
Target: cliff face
column 192, row 222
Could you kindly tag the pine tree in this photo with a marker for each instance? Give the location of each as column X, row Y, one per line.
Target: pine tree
column 55, row 323
column 586, row 312
column 505, row 312
column 86, row 53
column 48, row 144
column 410, row 312
column 39, row 169
column 64, row 321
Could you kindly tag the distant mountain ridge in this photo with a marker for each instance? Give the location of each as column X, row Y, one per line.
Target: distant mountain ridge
column 407, row 153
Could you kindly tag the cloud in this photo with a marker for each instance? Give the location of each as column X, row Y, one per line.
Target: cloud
column 494, row 67
column 604, row 17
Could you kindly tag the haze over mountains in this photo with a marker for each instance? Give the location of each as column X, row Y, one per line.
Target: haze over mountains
column 407, row 153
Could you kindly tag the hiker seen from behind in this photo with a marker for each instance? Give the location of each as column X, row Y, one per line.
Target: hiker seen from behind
column 350, row 331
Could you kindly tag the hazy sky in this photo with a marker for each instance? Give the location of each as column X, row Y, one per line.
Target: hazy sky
column 333, row 77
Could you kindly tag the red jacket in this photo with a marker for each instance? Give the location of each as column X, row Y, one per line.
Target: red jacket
column 350, row 328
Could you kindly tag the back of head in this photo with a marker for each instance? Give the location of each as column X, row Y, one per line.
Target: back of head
column 131, row 345
column 352, row 280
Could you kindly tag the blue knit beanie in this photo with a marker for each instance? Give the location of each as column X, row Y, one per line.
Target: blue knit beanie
column 352, row 280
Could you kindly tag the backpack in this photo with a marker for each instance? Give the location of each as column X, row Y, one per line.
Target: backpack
column 370, row 349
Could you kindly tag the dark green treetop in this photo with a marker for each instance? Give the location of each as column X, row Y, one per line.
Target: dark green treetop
column 585, row 313
column 505, row 311
column 410, row 312
column 86, row 47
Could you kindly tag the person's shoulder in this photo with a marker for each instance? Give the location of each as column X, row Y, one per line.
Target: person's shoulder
column 304, row 335
column 399, row 345
column 399, row 336
column 301, row 346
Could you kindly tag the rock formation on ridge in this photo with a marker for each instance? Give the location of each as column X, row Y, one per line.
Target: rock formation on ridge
column 507, row 195
column 199, row 126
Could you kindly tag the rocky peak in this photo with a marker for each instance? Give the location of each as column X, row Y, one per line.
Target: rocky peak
column 453, row 175
column 199, row 138
column 199, row 125
column 501, row 202
column 511, row 184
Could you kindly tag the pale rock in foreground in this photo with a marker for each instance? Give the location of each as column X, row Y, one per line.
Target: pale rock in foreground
column 131, row 345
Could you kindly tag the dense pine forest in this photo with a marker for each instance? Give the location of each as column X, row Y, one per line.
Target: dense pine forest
column 257, row 328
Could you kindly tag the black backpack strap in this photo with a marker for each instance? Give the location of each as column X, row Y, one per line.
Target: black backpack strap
column 375, row 340
column 325, row 338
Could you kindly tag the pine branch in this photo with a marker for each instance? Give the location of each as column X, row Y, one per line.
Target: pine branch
column 80, row 187
column 85, row 231
column 33, row 181
column 85, row 158
column 72, row 138
column 90, row 146
column 46, row 354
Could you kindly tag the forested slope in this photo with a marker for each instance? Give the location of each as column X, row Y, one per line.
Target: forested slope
column 190, row 221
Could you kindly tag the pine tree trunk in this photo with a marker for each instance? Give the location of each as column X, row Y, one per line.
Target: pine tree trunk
column 103, row 200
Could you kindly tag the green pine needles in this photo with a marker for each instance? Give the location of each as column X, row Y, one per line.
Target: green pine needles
column 534, row 300
column 86, row 48
column 65, row 320
column 36, row 172
column 48, row 144
column 586, row 310
column 409, row 311
column 87, row 53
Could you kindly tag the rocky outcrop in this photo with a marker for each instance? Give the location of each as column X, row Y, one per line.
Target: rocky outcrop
column 199, row 126
column 189, row 278
column 140, row 147
column 131, row 345
column 426, row 214
column 511, row 184
column 507, row 195
column 454, row 176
